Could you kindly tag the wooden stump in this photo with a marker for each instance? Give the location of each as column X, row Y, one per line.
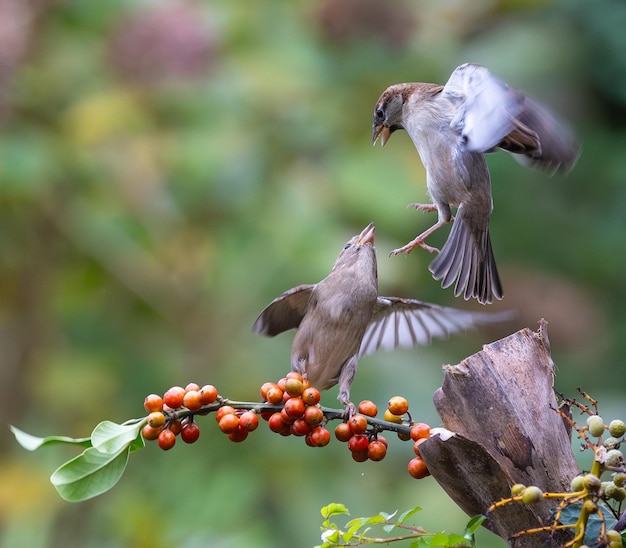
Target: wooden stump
column 499, row 404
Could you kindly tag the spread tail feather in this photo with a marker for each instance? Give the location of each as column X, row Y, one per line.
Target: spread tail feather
column 467, row 257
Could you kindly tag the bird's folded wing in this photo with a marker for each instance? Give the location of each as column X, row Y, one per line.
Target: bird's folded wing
column 406, row 323
column 284, row 312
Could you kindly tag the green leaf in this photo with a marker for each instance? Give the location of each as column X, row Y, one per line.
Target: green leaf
column 89, row 474
column 31, row 443
column 473, row 525
column 110, row 438
column 333, row 509
column 457, row 540
column 439, row 539
column 408, row 514
column 569, row 516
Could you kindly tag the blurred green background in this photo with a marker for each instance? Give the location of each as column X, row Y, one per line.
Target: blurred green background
column 167, row 168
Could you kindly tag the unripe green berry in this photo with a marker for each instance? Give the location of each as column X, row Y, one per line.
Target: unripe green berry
column 577, row 484
column 620, row 494
column 614, row 538
column 517, row 489
column 617, row 428
column 609, row 489
column 611, row 443
column 596, row 425
column 591, row 482
column 531, row 494
column 618, row 479
column 614, row 457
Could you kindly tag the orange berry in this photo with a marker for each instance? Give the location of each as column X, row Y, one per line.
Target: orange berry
column 358, row 424
column 417, row 444
column 300, row 427
column 249, row 421
column 173, row 397
column 376, row 450
column 192, row 401
column 192, row 386
column 153, row 402
column 265, row 387
column 229, row 423
column 293, row 375
column 358, row 443
column 224, row 410
column 417, row 468
column 320, row 436
column 311, row 396
column 277, row 424
column 398, row 405
column 175, row 426
column 274, row 395
column 150, row 433
column 238, row 435
column 420, row 430
column 208, row 394
column 343, row 432
column 313, row 415
column 368, row 408
column 294, row 407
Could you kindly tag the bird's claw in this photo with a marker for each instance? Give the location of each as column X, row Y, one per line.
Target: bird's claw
column 424, row 207
column 412, row 245
column 350, row 410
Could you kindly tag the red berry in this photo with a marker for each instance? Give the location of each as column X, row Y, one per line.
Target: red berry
column 150, row 433
column 320, row 436
column 376, row 450
column 175, row 426
column 311, row 396
column 358, row 424
column 417, row 468
column 208, row 394
column 420, row 430
column 265, row 415
column 360, row 456
column 167, row 439
column 229, row 423
column 382, row 439
column 294, row 407
column 192, row 386
column 293, row 375
column 300, row 427
column 343, row 432
column 190, row 432
column 156, row 419
column 238, row 435
column 153, row 402
column 368, row 408
column 398, row 405
column 249, row 421
column 281, row 383
column 276, row 423
column 192, row 401
column 286, row 418
column 173, row 398
column 313, row 415
column 358, row 443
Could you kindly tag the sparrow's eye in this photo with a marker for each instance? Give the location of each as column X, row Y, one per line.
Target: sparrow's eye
column 380, row 113
column 348, row 245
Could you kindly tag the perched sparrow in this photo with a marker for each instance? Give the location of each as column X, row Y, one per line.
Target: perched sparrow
column 452, row 126
column 342, row 318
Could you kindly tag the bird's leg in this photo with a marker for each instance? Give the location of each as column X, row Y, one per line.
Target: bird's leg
column 346, row 376
column 419, row 241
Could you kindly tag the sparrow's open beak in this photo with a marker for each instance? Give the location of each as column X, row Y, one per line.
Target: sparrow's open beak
column 367, row 235
column 383, row 132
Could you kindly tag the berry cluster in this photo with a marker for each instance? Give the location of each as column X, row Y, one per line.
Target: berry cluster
column 301, row 414
column 291, row 407
column 164, row 425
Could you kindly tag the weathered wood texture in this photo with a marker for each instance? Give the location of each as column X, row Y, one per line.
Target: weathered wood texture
column 500, row 405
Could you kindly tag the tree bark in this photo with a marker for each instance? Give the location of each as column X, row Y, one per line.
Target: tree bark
column 499, row 405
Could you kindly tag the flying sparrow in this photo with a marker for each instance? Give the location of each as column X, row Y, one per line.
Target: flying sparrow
column 452, row 127
column 342, row 318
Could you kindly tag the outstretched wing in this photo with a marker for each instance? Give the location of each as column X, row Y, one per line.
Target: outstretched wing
column 406, row 323
column 284, row 312
column 490, row 114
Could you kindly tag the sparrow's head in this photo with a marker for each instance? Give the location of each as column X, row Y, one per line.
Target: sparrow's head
column 359, row 250
column 388, row 111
